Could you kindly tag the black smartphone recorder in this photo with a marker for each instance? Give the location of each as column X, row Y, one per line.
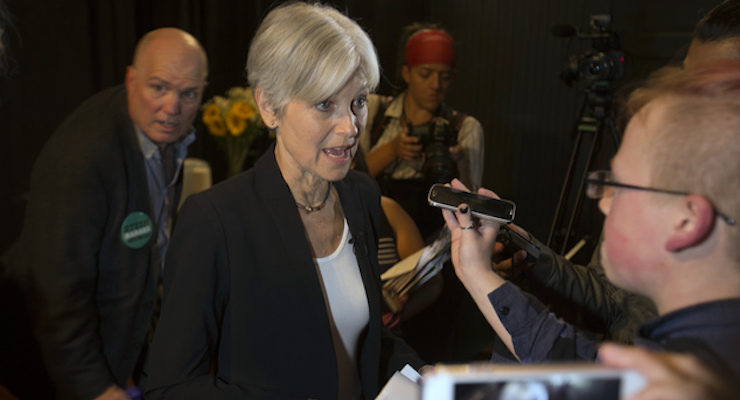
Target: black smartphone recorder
column 481, row 206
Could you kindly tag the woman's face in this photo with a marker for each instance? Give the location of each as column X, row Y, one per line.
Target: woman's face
column 320, row 140
column 428, row 84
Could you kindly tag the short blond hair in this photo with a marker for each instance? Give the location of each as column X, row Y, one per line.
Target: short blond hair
column 716, row 78
column 696, row 147
column 308, row 52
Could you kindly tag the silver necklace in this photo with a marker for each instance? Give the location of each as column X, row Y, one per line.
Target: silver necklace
column 317, row 207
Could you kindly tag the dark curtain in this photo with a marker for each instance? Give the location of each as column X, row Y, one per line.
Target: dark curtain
column 508, row 73
column 68, row 50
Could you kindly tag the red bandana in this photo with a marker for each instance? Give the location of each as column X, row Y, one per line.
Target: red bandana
column 430, row 46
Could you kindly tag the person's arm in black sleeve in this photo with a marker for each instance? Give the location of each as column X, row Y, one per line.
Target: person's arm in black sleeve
column 583, row 295
column 63, row 232
column 195, row 297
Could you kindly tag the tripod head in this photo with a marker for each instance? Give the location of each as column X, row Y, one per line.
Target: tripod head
column 599, row 99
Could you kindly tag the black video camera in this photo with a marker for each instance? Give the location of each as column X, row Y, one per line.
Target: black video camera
column 605, row 61
column 436, row 138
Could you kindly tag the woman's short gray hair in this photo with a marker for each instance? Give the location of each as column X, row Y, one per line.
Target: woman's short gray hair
column 308, row 52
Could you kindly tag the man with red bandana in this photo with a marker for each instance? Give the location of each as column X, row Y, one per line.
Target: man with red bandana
column 395, row 157
column 99, row 214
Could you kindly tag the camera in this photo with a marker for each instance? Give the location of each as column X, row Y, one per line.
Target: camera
column 436, row 139
column 605, row 61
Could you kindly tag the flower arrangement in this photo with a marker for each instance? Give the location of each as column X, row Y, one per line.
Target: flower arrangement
column 235, row 122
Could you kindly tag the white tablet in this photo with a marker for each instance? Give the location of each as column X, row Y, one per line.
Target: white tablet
column 486, row 381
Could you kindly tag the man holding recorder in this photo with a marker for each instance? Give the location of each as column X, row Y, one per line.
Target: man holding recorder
column 669, row 231
column 581, row 294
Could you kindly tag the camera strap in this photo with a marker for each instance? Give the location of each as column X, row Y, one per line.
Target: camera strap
column 379, row 121
column 454, row 118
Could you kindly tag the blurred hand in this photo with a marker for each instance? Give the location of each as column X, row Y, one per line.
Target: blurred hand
column 407, row 147
column 671, row 376
column 456, row 153
column 509, row 267
column 506, row 263
column 113, row 393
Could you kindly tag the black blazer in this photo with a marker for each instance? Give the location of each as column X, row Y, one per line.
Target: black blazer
column 242, row 292
column 92, row 296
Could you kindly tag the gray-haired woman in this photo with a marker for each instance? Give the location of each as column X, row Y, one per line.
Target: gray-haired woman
column 272, row 279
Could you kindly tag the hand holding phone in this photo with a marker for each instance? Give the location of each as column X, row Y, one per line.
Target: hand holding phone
column 497, row 210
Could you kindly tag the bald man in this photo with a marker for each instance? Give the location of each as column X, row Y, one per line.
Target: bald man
column 97, row 224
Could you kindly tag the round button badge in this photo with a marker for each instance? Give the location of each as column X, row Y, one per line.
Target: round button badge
column 136, row 230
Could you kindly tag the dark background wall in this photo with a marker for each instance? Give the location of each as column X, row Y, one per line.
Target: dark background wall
column 509, row 66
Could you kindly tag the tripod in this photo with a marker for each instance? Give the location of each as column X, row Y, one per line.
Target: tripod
column 595, row 125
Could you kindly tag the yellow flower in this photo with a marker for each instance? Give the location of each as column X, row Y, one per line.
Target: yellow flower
column 233, row 120
column 236, row 124
column 242, row 109
column 211, row 113
column 216, row 126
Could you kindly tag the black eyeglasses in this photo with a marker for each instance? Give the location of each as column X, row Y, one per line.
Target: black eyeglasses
column 601, row 183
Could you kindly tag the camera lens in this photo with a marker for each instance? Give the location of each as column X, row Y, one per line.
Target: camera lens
column 599, row 68
column 438, row 166
column 436, row 139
